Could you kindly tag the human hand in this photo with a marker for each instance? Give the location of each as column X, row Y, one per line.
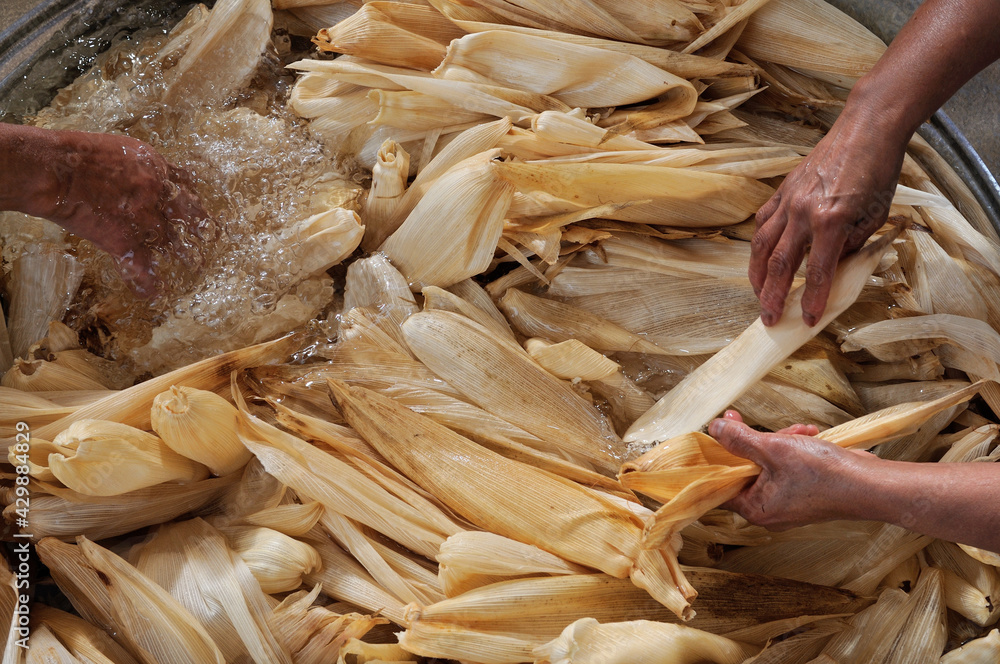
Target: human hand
column 834, row 200
column 118, row 193
column 802, row 480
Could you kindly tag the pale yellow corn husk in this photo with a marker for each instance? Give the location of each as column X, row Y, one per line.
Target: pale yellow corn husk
column 41, row 285
column 923, row 637
column 475, row 295
column 536, row 316
column 317, row 475
column 45, row 648
column 95, row 368
column 323, row 240
column 514, row 59
column 814, row 37
column 66, row 514
column 752, row 355
column 870, row 633
column 415, row 37
column 501, row 378
column 568, row 128
column 389, row 176
column 373, row 282
column 37, row 458
column 102, row 458
column 459, row 642
column 813, row 368
column 315, row 635
column 60, row 337
column 588, row 642
column 801, row 647
column 960, row 568
column 343, row 578
column 192, row 562
column 148, row 619
column 41, row 375
column 950, row 290
column 975, row 337
column 223, row 53
column 292, row 519
column 437, row 299
column 971, row 445
column 685, row 258
column 984, row 650
column 335, row 111
column 734, row 16
column 80, row 583
column 469, row 143
column 276, row 560
column 925, row 366
column 199, row 425
column 570, row 360
column 880, row 396
column 607, row 539
column 377, row 653
column 983, row 556
column 132, row 406
column 418, row 111
column 472, row 559
column 82, row 639
column 965, row 599
column 452, row 233
column 903, row 577
column 678, row 197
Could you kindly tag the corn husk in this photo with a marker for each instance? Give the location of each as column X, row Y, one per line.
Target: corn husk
column 586, row 641
column 925, row 633
column 293, row 519
column 82, row 639
column 571, row 360
column 199, row 425
column 41, row 285
column 441, row 300
column 570, row 129
column 610, row 533
column 324, row 239
column 100, row 458
column 389, row 176
column 516, row 389
column 513, row 59
column 870, row 633
column 984, row 650
column 6, row 354
column 536, row 316
column 374, row 283
column 678, row 197
column 416, row 111
column 277, row 561
column 969, row 585
column 223, row 53
column 41, row 375
column 685, row 258
column 132, row 406
column 461, row 215
column 400, row 34
column 65, row 514
column 313, row 634
column 789, row 33
column 758, row 349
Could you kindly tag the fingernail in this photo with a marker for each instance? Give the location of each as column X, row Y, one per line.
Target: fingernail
column 767, row 318
column 716, row 428
column 809, row 319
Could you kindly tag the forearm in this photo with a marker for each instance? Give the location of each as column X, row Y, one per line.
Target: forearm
column 943, row 45
column 957, row 502
column 26, row 163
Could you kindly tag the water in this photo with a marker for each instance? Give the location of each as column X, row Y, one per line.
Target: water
column 231, row 277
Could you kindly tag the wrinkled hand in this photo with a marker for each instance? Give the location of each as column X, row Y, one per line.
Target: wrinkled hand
column 801, row 479
column 118, row 193
column 834, row 200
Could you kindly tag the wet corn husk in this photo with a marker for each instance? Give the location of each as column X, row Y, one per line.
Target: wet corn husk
column 200, row 425
column 388, row 185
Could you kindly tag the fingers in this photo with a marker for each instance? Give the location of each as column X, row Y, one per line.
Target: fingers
column 823, row 258
column 800, row 430
column 781, row 267
column 737, row 438
column 762, row 245
column 733, row 415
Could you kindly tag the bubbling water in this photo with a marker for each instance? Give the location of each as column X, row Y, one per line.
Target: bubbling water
column 228, row 279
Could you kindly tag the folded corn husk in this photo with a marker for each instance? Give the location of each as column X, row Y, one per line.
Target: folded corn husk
column 565, row 71
column 679, row 197
column 587, row 641
column 452, row 233
column 101, row 458
column 200, row 425
column 42, row 283
column 82, row 639
column 758, row 349
column 984, row 650
column 293, row 519
column 323, row 240
column 389, row 176
column 501, row 378
column 313, row 634
column 192, row 562
column 474, row 481
column 277, row 561
column 42, row 375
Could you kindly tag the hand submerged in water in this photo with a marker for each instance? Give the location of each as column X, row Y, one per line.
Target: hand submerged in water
column 113, row 190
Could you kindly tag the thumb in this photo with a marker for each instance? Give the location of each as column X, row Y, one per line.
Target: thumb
column 737, row 438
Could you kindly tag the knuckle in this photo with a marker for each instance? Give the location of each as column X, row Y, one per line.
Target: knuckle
column 817, row 277
column 779, row 264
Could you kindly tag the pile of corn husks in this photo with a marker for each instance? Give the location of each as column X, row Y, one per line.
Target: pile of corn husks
column 551, row 283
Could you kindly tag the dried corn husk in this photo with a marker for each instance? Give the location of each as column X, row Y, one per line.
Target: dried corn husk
column 41, row 285
column 501, row 378
column 568, row 128
column 6, row 354
column 101, row 458
column 452, row 233
column 392, row 167
column 474, row 482
column 587, row 641
column 969, row 585
column 570, row 360
column 323, row 240
column 441, row 300
column 985, row 650
column 416, row 111
column 758, row 349
column 277, row 561
column 65, row 514
column 200, row 425
column 81, row 638
column 814, row 37
column 391, row 33
column 925, row 633
column 565, row 71
column 223, row 53
column 292, row 519
column 679, row 197
column 313, row 634
column 374, row 283
column 42, row 375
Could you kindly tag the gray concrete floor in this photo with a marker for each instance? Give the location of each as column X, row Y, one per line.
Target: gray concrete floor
column 975, row 108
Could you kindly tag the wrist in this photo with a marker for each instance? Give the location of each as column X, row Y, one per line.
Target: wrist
column 873, row 107
column 861, row 488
